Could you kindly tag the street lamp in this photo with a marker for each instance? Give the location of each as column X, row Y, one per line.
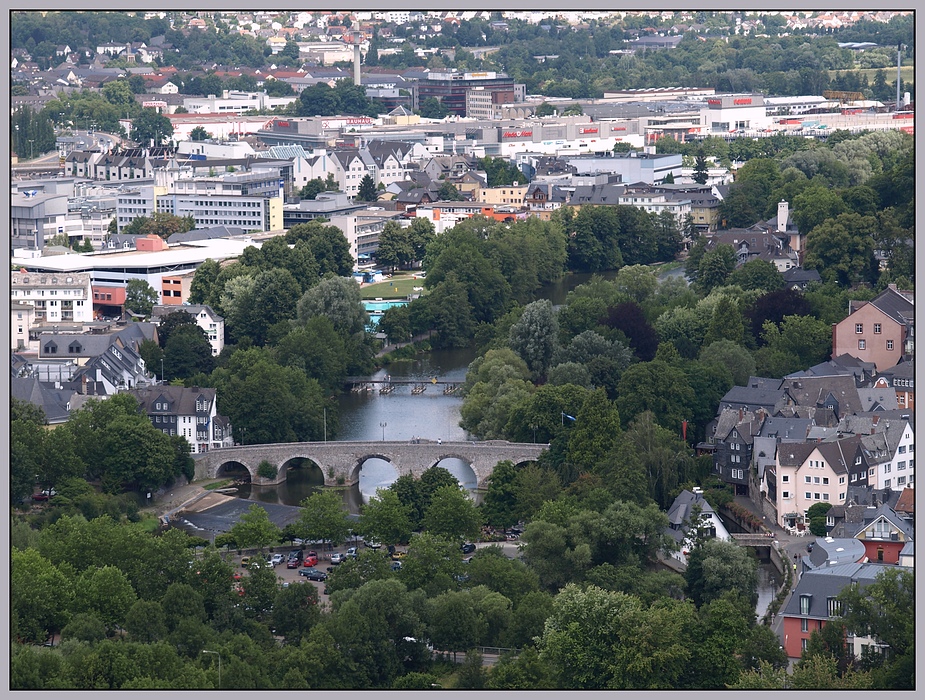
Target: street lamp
column 382, row 425
column 206, row 651
column 31, row 141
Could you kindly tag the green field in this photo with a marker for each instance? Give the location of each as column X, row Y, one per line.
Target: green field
column 906, row 72
column 399, row 286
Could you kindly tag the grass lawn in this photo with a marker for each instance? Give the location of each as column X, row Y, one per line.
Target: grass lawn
column 399, row 286
column 907, row 73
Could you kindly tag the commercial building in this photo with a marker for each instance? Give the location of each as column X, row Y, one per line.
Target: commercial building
column 451, row 88
column 362, row 229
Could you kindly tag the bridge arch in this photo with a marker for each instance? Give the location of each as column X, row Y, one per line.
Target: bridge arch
column 298, row 461
column 462, row 469
column 234, row 469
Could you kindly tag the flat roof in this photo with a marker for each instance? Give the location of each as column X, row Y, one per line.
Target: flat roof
column 190, row 252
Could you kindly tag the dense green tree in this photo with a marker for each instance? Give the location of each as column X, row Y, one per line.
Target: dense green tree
column 499, row 502
column 367, row 190
column 395, row 249
column 140, row 297
column 201, row 288
column 733, row 356
column 151, row 127
column 323, row 518
column 40, row 596
column 431, row 564
column 452, row 514
column 385, row 518
column 296, row 611
column 318, row 350
column 757, row 274
column 719, row 567
column 715, row 267
column 534, row 336
column 255, row 529
column 106, row 593
column 842, row 249
column 187, row 352
column 451, row 312
column 432, row 108
column 796, row 343
column 327, row 244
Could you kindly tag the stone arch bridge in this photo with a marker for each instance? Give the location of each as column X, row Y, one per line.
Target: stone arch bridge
column 340, row 462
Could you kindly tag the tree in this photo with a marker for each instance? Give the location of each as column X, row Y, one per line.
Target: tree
column 328, row 246
column 323, row 518
column 449, row 193
column 757, row 274
column 199, row 134
column 731, row 355
column 40, row 596
column 797, row 343
column 842, row 249
column 187, row 353
column 315, row 186
column 295, row 612
column 255, row 529
column 201, row 288
column 715, row 267
column 534, row 336
column 151, row 127
column 338, row 299
column 107, row 593
column 395, row 249
column 453, row 624
column 140, row 297
column 718, row 567
column 816, row 515
column 367, row 190
column 499, row 501
column 602, row 639
column 385, row 518
column 432, row 108
column 449, row 306
column 452, row 514
column 701, row 174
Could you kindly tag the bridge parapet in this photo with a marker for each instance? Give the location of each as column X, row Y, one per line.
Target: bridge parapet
column 340, row 461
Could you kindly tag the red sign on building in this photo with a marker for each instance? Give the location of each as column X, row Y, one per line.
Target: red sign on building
column 742, row 101
column 587, row 130
column 516, row 134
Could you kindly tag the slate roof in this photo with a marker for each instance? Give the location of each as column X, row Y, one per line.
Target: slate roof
column 786, row 429
column 682, row 508
column 890, row 515
column 891, row 302
column 53, row 402
column 878, row 399
column 793, row 454
column 828, row 582
column 817, row 391
column 203, row 234
column 182, row 400
column 748, row 397
column 839, row 453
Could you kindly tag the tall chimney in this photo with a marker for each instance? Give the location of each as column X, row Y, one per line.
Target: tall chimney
column 356, row 61
column 783, row 211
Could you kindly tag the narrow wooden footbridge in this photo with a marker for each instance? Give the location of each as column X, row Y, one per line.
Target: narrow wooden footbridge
column 386, row 386
column 753, row 539
column 341, row 462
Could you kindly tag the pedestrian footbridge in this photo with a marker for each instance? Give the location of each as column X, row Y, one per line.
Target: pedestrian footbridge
column 340, row 462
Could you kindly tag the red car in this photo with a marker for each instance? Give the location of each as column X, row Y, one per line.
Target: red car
column 293, row 563
column 310, row 560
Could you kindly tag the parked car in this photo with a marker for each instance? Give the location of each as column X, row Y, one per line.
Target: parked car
column 337, row 558
column 299, row 553
column 310, row 560
column 396, row 566
column 351, row 552
column 398, row 554
column 245, row 561
column 40, row 496
column 468, row 548
column 293, row 563
column 276, row 560
column 313, row 574
column 372, row 544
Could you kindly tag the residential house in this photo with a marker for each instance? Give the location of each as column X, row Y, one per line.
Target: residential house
column 542, row 199
column 734, row 439
column 901, row 378
column 686, row 507
column 774, row 431
column 881, row 330
column 56, row 298
column 22, row 318
column 814, row 602
column 189, row 412
column 210, row 322
column 54, row 402
column 799, row 279
column 883, row 534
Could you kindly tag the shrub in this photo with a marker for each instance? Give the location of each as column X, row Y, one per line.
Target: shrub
column 266, row 470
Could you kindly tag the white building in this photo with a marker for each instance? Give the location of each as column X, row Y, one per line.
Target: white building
column 724, row 114
column 22, row 318
column 234, row 101
column 681, row 517
column 898, row 472
column 57, row 297
column 362, row 229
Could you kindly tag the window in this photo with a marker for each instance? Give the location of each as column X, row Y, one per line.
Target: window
column 889, row 345
column 785, row 479
column 877, row 327
column 887, row 468
column 815, row 479
column 785, row 494
column 816, row 496
column 809, row 479
column 808, row 496
column 900, row 466
column 804, row 625
column 825, row 480
column 886, row 483
column 862, row 344
column 825, row 497
column 841, row 497
column 805, row 601
column 833, row 607
column 901, row 481
column 902, row 449
column 841, row 480
column 858, row 327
